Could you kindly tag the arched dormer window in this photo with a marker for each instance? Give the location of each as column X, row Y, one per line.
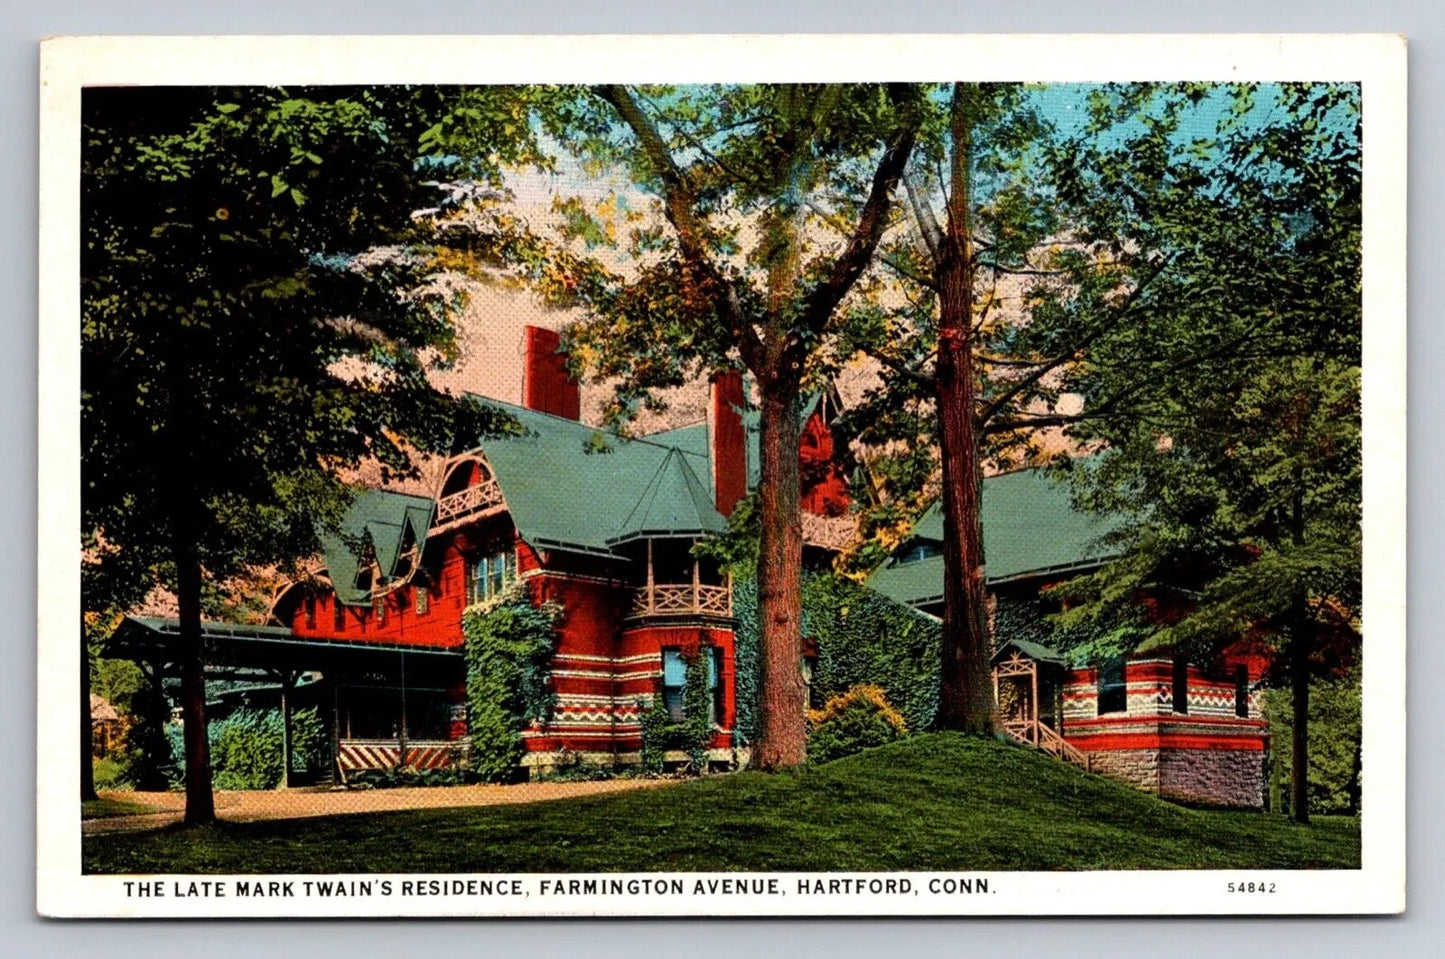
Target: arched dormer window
column 468, row 491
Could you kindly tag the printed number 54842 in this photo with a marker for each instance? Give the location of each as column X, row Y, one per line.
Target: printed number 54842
column 1251, row 887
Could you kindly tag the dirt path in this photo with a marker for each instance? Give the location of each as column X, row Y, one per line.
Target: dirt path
column 168, row 808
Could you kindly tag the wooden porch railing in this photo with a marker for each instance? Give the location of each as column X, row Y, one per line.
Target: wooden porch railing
column 1031, row 732
column 683, row 599
column 458, row 507
column 829, row 532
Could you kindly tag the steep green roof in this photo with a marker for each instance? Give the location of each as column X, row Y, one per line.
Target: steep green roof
column 575, row 487
column 692, row 440
column 1030, row 528
column 918, row 583
column 1034, row 651
column 673, row 502
column 379, row 517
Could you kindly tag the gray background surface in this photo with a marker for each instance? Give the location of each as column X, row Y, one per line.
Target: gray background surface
column 24, row 23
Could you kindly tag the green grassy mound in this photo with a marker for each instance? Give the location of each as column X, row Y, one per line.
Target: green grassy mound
column 934, row 802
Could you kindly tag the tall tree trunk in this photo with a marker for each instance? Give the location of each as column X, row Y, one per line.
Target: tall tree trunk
column 200, row 805
column 782, row 735
column 966, row 696
column 87, row 768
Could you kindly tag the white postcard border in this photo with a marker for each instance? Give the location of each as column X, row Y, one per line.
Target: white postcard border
column 1377, row 61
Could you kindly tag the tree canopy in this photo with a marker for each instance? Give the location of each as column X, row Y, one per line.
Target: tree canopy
column 257, row 319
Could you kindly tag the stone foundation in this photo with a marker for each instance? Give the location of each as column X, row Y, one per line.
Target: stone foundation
column 1218, row 777
column 1231, row 778
column 1137, row 767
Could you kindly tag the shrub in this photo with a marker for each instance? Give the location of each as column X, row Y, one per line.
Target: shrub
column 246, row 748
column 655, row 725
column 110, row 774
column 661, row 735
column 150, row 761
column 859, row 719
column 509, row 649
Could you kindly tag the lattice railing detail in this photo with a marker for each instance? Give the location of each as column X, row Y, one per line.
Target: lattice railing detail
column 474, row 499
column 683, row 599
column 1033, row 733
column 829, row 532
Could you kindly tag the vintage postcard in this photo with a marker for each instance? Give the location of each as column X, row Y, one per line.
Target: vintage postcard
column 757, row 476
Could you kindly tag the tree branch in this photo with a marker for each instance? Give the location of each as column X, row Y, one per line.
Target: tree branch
column 903, row 271
column 821, row 301
column 923, row 214
column 679, row 202
column 992, row 409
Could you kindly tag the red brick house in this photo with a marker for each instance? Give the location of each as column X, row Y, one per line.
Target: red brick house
column 600, row 524
column 1187, row 731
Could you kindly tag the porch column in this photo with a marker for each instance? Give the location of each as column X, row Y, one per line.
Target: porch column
column 649, row 577
column 1034, row 697
column 288, row 680
column 401, row 726
column 696, row 583
column 336, row 772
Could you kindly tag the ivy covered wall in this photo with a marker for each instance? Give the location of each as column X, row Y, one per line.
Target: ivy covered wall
column 863, row 638
column 509, row 645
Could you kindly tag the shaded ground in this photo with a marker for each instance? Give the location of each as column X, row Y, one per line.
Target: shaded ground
column 936, row 802
column 133, row 811
column 113, row 804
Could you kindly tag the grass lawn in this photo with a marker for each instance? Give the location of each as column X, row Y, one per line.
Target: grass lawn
column 104, row 808
column 935, row 802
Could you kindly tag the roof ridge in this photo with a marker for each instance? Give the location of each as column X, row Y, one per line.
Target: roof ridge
column 596, row 429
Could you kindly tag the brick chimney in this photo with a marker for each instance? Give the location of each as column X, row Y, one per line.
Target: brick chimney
column 546, row 387
column 729, row 441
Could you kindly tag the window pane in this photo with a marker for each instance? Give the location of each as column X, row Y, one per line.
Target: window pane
column 1241, row 691
column 372, row 713
column 1181, row 686
column 497, row 567
column 428, row 714
column 674, row 668
column 1113, row 691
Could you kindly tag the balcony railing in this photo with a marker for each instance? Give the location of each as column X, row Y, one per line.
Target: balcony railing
column 829, row 532
column 459, row 507
column 683, row 599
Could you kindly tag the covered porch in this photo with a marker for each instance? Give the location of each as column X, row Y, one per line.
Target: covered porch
column 384, row 705
column 1028, row 686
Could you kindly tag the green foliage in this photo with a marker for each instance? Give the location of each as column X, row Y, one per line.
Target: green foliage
column 863, row 638
column 1084, row 642
column 246, row 748
column 118, row 681
column 661, row 735
column 697, row 710
column 149, row 761
column 1335, row 745
column 857, row 720
column 239, row 247
column 509, row 644
column 655, row 724
column 570, row 767
column 110, row 774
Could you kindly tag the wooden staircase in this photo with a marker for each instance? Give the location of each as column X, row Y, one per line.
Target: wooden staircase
column 1033, row 733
